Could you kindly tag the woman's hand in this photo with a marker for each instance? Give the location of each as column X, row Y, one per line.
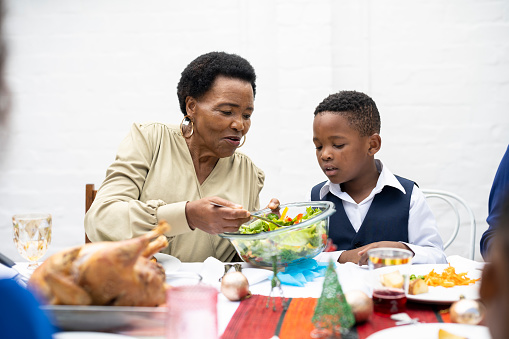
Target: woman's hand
column 213, row 219
column 360, row 255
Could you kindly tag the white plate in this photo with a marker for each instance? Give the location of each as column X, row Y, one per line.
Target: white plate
column 430, row 331
column 446, row 295
column 170, row 263
column 85, row 335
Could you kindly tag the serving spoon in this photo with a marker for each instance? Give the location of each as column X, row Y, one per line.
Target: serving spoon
column 253, row 215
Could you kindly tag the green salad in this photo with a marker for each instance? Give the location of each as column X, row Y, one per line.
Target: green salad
column 259, row 226
column 289, row 246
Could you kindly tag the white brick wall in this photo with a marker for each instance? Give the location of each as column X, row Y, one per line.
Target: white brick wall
column 81, row 72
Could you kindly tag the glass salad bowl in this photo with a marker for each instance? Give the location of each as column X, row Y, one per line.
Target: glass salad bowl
column 304, row 234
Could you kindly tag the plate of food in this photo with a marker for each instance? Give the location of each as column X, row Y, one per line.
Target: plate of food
column 430, row 331
column 443, row 284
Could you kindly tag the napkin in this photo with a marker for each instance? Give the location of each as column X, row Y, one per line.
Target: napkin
column 11, row 273
column 300, row 273
column 354, row 277
column 213, row 270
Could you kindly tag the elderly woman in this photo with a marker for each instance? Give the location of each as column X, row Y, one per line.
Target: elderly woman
column 173, row 173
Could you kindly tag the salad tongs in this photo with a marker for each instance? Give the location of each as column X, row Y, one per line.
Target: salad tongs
column 253, row 215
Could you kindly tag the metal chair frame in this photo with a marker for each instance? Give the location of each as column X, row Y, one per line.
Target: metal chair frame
column 450, row 198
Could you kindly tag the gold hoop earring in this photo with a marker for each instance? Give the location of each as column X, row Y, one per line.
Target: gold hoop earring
column 243, row 142
column 182, row 127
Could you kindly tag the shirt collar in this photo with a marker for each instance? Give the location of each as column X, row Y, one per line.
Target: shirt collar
column 386, row 178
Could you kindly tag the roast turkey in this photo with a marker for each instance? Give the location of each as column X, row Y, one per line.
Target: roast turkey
column 117, row 273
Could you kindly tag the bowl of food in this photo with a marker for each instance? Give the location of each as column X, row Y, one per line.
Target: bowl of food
column 299, row 232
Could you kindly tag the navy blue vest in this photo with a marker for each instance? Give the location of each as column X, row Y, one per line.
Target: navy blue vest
column 386, row 220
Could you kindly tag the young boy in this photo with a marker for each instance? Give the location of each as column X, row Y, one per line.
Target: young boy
column 374, row 208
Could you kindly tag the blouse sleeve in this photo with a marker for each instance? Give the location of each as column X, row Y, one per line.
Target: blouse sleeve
column 117, row 213
column 258, row 185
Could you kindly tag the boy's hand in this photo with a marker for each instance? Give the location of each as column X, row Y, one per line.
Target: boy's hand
column 351, row 255
column 360, row 255
column 363, row 254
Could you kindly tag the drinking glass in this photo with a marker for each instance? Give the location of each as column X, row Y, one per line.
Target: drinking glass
column 32, row 236
column 389, row 269
column 192, row 312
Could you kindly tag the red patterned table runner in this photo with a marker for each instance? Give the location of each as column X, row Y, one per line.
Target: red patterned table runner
column 253, row 320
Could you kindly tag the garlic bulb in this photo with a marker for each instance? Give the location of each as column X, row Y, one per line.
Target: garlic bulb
column 361, row 304
column 234, row 286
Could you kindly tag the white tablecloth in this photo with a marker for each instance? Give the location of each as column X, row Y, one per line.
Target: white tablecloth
column 351, row 277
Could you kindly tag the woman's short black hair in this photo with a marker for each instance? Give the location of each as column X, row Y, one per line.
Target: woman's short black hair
column 199, row 75
column 358, row 108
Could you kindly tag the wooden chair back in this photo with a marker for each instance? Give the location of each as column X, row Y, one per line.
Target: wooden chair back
column 90, row 193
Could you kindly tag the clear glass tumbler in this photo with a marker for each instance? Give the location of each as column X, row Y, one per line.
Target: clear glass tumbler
column 192, row 312
column 389, row 269
column 32, row 236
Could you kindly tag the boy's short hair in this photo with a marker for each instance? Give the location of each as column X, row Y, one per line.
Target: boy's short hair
column 358, row 108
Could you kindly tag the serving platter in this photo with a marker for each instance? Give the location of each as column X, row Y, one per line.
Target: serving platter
column 106, row 318
column 143, row 320
column 446, row 295
column 88, row 335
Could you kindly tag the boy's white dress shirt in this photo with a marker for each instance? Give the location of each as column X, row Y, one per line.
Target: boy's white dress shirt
column 423, row 237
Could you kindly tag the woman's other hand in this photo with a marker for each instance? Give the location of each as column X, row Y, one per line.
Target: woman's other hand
column 274, row 205
column 213, row 219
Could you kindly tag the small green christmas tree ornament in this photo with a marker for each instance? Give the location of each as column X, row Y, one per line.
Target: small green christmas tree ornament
column 333, row 315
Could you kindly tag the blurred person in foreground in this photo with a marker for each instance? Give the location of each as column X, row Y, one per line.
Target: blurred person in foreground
column 495, row 277
column 20, row 315
column 498, row 191
column 374, row 208
column 174, row 172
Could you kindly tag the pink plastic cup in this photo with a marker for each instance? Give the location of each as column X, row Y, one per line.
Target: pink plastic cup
column 192, row 312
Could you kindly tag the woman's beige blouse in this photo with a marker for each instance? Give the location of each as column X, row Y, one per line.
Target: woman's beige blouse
column 153, row 177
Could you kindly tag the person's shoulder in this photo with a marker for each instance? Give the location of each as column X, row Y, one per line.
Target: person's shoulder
column 315, row 190
column 245, row 161
column 505, row 159
column 153, row 125
column 240, row 157
column 320, row 184
column 404, row 180
column 156, row 129
column 388, row 178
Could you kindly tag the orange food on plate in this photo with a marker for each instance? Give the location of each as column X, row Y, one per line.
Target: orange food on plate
column 448, row 278
column 443, row 334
